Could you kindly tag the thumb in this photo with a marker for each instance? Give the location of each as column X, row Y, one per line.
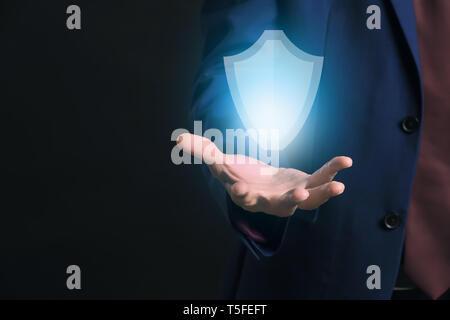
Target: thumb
column 200, row 148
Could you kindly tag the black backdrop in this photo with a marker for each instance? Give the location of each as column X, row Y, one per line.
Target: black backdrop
column 86, row 118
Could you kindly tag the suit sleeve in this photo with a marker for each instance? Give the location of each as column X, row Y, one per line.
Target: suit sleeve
column 231, row 27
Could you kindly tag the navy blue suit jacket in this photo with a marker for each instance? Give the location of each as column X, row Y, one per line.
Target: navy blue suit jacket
column 370, row 83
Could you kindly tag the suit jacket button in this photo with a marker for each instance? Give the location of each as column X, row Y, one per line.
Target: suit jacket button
column 392, row 221
column 410, row 124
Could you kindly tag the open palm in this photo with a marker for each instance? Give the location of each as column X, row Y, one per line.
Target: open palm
column 258, row 187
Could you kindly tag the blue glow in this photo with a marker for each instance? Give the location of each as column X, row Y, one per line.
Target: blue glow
column 273, row 85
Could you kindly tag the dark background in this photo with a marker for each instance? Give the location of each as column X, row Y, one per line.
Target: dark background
column 86, row 119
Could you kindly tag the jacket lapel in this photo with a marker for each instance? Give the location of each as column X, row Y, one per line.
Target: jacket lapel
column 404, row 10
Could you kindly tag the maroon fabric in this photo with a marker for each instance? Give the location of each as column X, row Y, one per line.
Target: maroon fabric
column 427, row 243
column 252, row 234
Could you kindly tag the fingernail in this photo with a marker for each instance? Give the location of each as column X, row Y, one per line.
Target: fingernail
column 339, row 188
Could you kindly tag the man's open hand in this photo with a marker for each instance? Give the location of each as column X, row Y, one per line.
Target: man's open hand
column 258, row 187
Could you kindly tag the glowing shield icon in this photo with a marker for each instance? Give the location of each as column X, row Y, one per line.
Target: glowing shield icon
column 273, row 85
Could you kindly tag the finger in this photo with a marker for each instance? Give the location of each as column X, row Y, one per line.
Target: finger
column 200, row 148
column 286, row 204
column 240, row 194
column 321, row 194
column 239, row 189
column 328, row 171
column 295, row 196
